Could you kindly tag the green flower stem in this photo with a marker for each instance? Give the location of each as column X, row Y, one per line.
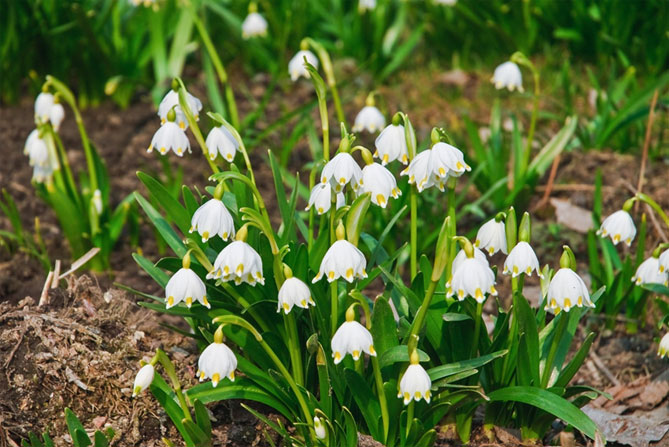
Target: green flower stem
column 233, row 319
column 477, row 329
column 294, row 347
column 168, row 366
column 557, row 336
column 422, row 311
column 218, row 66
column 68, row 96
column 413, row 194
column 337, row 101
column 334, row 293
column 653, row 204
column 533, row 121
column 410, row 410
column 328, row 69
column 382, row 396
column 310, row 237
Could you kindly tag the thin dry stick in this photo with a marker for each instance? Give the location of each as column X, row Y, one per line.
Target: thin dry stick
column 44, row 297
column 549, row 184
column 646, row 144
column 56, row 275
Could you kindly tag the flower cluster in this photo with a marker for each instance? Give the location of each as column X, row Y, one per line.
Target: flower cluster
column 40, row 146
column 171, row 134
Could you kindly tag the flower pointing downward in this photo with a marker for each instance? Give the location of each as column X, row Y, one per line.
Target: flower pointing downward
column 664, row 346
column 170, row 136
column 492, row 237
column 342, row 260
column 378, row 181
column 342, row 169
column 351, row 338
column 217, row 361
column 391, row 145
column 415, row 383
column 650, row 272
column 221, row 141
column 213, row 218
column 185, row 285
column 143, row 379
column 254, row 24
column 296, row 68
column 473, row 277
column 238, row 262
column 370, row 119
column 566, row 291
column 507, row 75
column 171, row 101
column 321, row 198
column 619, row 226
column 522, row 259
column 293, row 292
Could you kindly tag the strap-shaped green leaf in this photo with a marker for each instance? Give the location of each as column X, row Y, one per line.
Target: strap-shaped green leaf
column 175, row 211
column 162, row 226
column 549, row 402
column 450, row 369
column 366, row 400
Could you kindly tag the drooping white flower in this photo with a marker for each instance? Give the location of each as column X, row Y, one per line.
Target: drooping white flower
column 170, row 136
column 522, row 259
column 664, row 346
column 171, row 100
column 319, row 428
column 446, row 2
column 507, row 75
column 462, row 256
column 649, row 272
column 185, row 286
column 216, row 362
column 380, row 182
column 56, row 115
column 420, row 172
column 254, row 25
column 43, row 104
column 619, row 226
column 473, row 278
column 143, row 379
column 370, row 119
column 415, row 383
column 296, row 66
column 391, row 145
column 351, row 338
column 212, row 218
column 364, row 5
column 320, row 198
column 221, row 141
column 36, row 149
column 294, row 292
column 566, row 291
column 664, row 261
column 342, row 260
column 97, row 201
column 42, row 174
column 447, row 161
column 492, row 237
column 238, row 262
column 341, row 170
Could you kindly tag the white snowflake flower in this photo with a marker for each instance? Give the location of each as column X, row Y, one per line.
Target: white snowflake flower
column 296, row 68
column 447, row 161
column 221, row 141
column 170, row 136
column 171, row 100
column 391, row 145
column 619, row 226
column 473, row 278
column 649, row 272
column 185, row 286
column 294, row 292
column 507, row 75
column 216, row 362
column 342, row 169
column 415, row 383
column 664, row 346
column 492, row 237
column 370, row 119
column 566, row 291
column 351, row 338
column 380, row 182
column 43, row 104
column 213, row 218
column 238, row 262
column 522, row 259
column 254, row 25
column 342, row 260
column 143, row 379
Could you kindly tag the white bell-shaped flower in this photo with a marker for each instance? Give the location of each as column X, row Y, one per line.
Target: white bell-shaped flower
column 320, row 198
column 391, row 145
column 42, row 174
column 294, row 292
column 473, row 278
column 380, row 182
column 238, row 262
column 254, row 25
column 221, row 141
column 364, row 5
column 185, row 285
column 447, row 161
column 420, row 172
column 370, row 119
column 213, row 218
column 296, row 67
column 143, row 379
column 492, row 237
column 319, row 428
column 342, row 169
column 342, row 260
column 649, row 272
column 522, row 259
column 43, row 104
column 664, row 346
column 171, row 100
column 664, row 261
column 96, row 200
column 170, row 136
column 56, row 115
column 507, row 75
column 351, row 338
column 415, row 383
column 462, row 257
column 446, row 2
column 619, row 226
column 36, row 150
column 566, row 291
column 216, row 362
